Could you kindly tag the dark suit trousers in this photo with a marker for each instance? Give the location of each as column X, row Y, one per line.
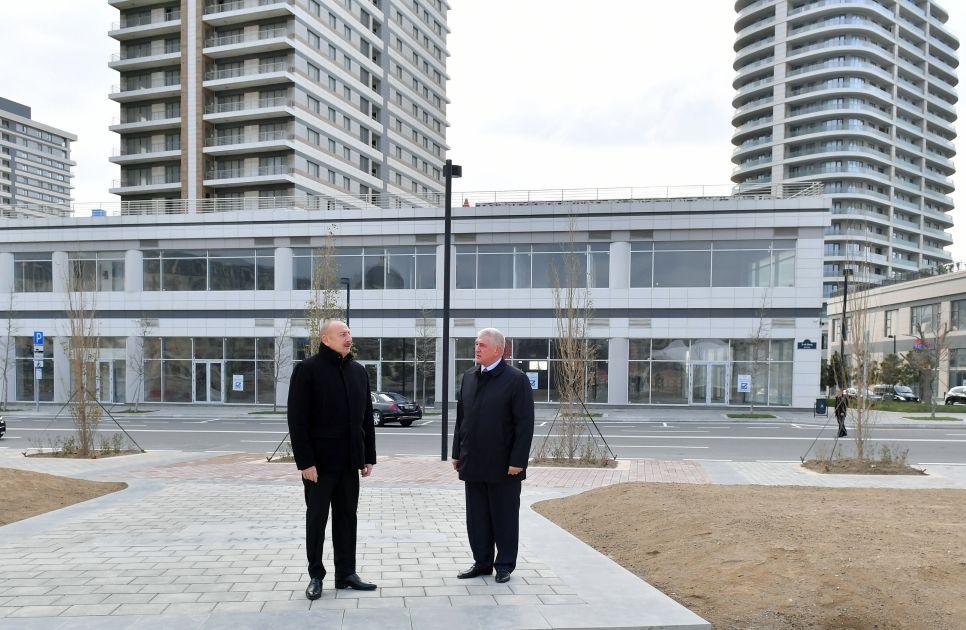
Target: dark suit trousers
column 340, row 491
column 493, row 519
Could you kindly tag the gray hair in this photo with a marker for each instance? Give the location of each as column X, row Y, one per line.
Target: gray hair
column 495, row 336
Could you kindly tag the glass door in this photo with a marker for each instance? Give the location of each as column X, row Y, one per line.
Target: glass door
column 208, row 382
column 709, row 383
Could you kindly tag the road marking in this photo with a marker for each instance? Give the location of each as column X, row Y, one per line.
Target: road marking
column 941, row 464
column 258, row 441
column 542, row 424
column 778, row 461
column 664, row 424
column 659, row 446
column 686, row 459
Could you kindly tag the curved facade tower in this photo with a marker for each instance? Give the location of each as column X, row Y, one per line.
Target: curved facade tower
column 861, row 96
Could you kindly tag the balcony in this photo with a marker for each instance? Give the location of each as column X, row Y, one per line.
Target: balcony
column 260, row 109
column 155, row 152
column 157, row 55
column 234, row 78
column 255, row 43
column 226, row 12
column 249, row 143
column 250, row 175
column 146, row 25
column 154, row 121
column 137, row 185
column 155, row 89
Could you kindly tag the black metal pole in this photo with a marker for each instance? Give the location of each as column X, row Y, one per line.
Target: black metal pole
column 348, row 292
column 447, row 227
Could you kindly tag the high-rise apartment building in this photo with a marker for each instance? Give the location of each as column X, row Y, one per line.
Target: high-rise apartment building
column 859, row 95
column 255, row 99
column 34, row 159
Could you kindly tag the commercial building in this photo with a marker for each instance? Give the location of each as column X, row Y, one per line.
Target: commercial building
column 696, row 298
column 34, row 159
column 927, row 313
column 861, row 96
column 248, row 101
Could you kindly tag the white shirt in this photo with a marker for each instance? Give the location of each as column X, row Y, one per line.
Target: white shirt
column 490, row 368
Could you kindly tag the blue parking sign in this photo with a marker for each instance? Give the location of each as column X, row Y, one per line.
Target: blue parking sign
column 38, row 337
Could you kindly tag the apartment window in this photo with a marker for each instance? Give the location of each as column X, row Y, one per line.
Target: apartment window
column 315, row 7
column 314, row 170
column 332, row 115
column 315, row 73
column 922, row 318
column 34, row 273
column 399, row 267
column 347, row 62
column 331, row 177
column 958, row 314
column 313, row 104
column 211, row 270
column 313, row 136
column 332, row 84
column 346, row 123
column 333, row 22
column 540, row 266
column 314, row 40
column 332, row 146
column 717, row 264
column 346, row 183
column 890, row 323
column 96, row 271
column 332, row 52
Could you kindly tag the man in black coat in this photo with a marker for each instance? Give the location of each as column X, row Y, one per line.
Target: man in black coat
column 334, row 442
column 491, row 447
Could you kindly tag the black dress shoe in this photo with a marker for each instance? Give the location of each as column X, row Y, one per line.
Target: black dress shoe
column 475, row 571
column 354, row 582
column 314, row 589
column 502, row 576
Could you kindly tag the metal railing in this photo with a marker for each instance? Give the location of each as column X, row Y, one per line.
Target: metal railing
column 237, row 5
column 234, row 73
column 228, row 40
column 423, row 200
column 144, row 20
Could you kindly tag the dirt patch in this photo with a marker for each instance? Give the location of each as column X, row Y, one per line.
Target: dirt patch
column 786, row 558
column 861, row 467
column 569, row 463
column 24, row 494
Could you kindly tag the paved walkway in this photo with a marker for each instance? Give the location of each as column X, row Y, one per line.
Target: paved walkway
column 216, row 541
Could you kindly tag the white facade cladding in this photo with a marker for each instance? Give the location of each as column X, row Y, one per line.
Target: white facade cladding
column 260, row 99
column 686, row 294
column 35, row 164
column 860, row 95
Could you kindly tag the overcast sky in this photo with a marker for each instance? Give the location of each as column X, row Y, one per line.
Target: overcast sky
column 544, row 93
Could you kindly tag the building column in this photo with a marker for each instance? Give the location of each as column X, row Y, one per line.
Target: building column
column 283, row 269
column 62, row 381
column 620, row 263
column 133, row 271
column 6, row 273
column 617, row 357
column 60, row 268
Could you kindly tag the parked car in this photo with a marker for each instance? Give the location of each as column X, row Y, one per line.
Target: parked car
column 393, row 407
column 868, row 393
column 895, row 392
column 3, row 426
column 956, row 396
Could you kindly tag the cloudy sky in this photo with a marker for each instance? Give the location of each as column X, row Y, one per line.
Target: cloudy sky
column 545, row 93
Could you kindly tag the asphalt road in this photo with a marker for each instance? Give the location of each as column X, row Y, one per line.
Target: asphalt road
column 228, row 431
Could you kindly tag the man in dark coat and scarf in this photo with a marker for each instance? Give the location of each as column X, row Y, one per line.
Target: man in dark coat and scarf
column 491, row 447
column 334, row 443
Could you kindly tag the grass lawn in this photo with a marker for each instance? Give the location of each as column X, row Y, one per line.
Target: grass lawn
column 753, row 416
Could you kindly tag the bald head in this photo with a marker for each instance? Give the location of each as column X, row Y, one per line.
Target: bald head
column 336, row 336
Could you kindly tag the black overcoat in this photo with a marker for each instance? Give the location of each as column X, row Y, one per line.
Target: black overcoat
column 330, row 413
column 494, row 424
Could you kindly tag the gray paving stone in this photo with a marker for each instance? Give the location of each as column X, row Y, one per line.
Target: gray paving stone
column 36, row 611
column 81, row 610
column 382, row 602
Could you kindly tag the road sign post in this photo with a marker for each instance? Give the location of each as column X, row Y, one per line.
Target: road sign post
column 38, row 365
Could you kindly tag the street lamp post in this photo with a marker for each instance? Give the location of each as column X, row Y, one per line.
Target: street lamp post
column 845, row 297
column 348, row 291
column 450, row 171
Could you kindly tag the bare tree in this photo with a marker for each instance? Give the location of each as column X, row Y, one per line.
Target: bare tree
column 281, row 358
column 81, row 344
column 927, row 360
column 758, row 351
column 571, row 438
column 425, row 351
column 859, row 363
column 143, row 330
column 6, row 350
column 323, row 302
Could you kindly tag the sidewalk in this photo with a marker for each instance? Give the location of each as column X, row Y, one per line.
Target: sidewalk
column 216, row 541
